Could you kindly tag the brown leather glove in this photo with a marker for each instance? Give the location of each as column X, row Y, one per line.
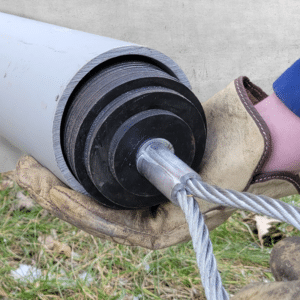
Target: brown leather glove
column 238, row 145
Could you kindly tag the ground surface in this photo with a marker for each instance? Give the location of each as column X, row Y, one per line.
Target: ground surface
column 42, row 257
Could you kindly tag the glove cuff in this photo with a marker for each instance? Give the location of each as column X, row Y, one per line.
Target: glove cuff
column 274, row 184
column 250, row 94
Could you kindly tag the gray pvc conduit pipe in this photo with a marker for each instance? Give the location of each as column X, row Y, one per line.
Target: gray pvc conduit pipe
column 40, row 66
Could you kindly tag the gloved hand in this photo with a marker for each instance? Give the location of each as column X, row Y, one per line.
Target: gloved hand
column 238, row 145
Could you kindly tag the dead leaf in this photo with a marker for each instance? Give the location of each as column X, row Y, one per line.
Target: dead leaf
column 62, row 248
column 57, row 247
column 47, row 241
column 24, row 202
column 263, row 225
column 289, row 228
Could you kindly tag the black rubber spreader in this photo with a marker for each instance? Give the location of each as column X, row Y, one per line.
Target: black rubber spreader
column 112, row 113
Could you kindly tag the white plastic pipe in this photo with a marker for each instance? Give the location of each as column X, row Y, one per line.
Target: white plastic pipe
column 40, row 65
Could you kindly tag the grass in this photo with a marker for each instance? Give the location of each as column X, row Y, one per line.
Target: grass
column 97, row 269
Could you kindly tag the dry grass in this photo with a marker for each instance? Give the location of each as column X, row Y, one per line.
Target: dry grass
column 74, row 265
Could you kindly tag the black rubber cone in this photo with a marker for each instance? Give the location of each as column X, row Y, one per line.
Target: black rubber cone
column 105, row 102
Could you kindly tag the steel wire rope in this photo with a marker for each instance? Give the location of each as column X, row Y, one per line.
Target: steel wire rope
column 210, row 276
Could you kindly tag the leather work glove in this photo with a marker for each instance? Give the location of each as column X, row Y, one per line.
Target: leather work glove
column 238, row 145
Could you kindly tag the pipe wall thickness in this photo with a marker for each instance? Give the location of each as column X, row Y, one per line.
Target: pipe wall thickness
column 40, row 66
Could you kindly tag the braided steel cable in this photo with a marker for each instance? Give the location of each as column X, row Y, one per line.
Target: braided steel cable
column 176, row 180
column 209, row 274
column 206, row 261
column 256, row 203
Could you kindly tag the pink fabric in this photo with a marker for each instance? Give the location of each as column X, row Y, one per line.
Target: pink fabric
column 284, row 127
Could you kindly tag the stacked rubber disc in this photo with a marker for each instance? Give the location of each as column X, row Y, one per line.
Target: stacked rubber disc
column 112, row 113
